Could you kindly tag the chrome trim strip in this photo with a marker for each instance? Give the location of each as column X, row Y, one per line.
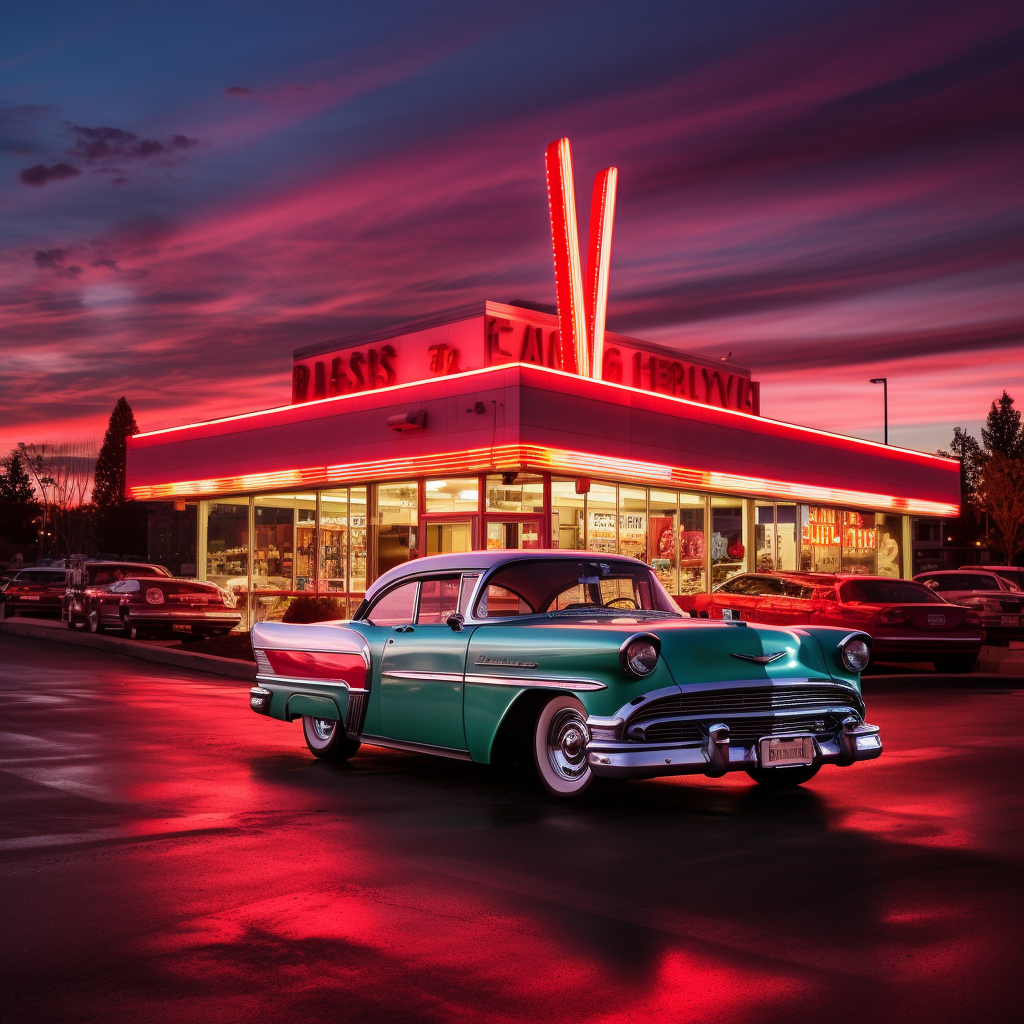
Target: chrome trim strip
column 536, row 682
column 415, row 748
column 264, row 677
column 437, row 677
column 924, row 638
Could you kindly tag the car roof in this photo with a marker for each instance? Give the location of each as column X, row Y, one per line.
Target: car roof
column 482, row 561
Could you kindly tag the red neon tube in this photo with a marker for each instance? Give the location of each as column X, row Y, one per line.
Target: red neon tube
column 599, row 259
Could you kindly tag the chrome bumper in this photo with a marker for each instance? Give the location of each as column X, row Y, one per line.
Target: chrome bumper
column 715, row 755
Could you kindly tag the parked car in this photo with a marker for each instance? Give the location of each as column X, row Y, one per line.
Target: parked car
column 36, row 591
column 89, row 581
column 163, row 607
column 907, row 620
column 580, row 663
column 998, row 601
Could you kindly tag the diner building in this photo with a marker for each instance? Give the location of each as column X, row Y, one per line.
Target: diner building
column 463, row 431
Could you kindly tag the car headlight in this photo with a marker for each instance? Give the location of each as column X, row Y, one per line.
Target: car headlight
column 639, row 654
column 855, row 653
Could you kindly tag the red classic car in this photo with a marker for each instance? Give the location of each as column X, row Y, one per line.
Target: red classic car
column 37, row 591
column 163, row 606
column 906, row 620
column 89, row 582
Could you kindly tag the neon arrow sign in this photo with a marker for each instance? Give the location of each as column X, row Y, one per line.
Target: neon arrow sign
column 581, row 313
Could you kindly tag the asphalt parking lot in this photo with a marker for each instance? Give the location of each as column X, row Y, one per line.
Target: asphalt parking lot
column 166, row 855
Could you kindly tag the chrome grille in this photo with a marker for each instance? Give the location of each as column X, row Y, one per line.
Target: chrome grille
column 742, row 731
column 750, row 700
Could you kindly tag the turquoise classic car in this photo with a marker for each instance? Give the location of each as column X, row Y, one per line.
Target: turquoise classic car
column 578, row 662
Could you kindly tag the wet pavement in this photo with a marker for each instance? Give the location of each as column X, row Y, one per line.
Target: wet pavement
column 166, row 855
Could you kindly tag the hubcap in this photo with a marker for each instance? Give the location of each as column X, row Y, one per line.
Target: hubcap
column 323, row 728
column 567, row 744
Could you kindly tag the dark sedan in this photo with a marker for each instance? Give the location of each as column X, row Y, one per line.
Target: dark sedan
column 906, row 620
column 89, row 582
column 38, row 591
column 994, row 598
column 164, row 607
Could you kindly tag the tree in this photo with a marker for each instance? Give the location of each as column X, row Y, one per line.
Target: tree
column 62, row 476
column 113, row 458
column 120, row 523
column 1002, row 432
column 18, row 505
column 1001, row 495
column 965, row 447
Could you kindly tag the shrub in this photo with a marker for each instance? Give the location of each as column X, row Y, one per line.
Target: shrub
column 313, row 609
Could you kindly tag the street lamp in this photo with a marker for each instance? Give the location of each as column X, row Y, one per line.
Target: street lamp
column 884, row 381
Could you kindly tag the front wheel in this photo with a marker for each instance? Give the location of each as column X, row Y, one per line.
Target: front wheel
column 131, row 631
column 327, row 739
column 560, row 748
column 783, row 778
column 93, row 618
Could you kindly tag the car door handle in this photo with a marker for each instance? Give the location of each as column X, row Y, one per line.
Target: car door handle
column 404, row 629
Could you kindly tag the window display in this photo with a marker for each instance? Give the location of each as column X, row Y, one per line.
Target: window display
column 458, row 495
column 692, row 545
column 602, row 519
column 633, row 521
column 227, row 543
column 567, row 530
column 397, row 521
column 522, row 494
column 888, row 545
column 663, row 538
column 728, row 528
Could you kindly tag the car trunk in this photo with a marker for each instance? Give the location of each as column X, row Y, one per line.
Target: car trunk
column 929, row 616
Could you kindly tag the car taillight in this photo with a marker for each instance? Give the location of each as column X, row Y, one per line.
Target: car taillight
column 974, row 619
column 893, row 618
column 154, row 596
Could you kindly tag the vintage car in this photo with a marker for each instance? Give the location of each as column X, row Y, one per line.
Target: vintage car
column 37, row 591
column 163, row 606
column 996, row 599
column 906, row 620
column 88, row 581
column 578, row 662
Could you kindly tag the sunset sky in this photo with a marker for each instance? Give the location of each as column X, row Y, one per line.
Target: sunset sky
column 830, row 191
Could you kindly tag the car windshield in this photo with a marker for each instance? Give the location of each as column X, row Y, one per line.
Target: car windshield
column 958, row 581
column 888, row 592
column 573, row 587
column 1014, row 576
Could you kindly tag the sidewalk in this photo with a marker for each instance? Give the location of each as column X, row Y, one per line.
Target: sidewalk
column 58, row 632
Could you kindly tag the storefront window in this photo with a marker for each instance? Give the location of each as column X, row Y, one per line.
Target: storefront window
column 276, row 519
column 727, row 531
column 820, row 539
column 513, row 536
column 458, row 495
column 601, row 519
column 774, row 537
column 662, row 538
column 889, row 535
column 357, row 540
column 397, row 520
column 523, row 494
column 566, row 515
column 227, row 543
column 692, row 545
column 334, row 540
column 858, row 535
column 633, row 521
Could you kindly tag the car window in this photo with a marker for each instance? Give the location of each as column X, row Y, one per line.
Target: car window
column 888, row 592
column 39, row 576
column 469, row 582
column 125, row 587
column 497, row 602
column 790, row 588
column 737, row 585
column 396, row 607
column 439, row 598
column 1014, row 576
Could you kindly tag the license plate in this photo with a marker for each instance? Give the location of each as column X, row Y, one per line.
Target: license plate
column 181, row 627
column 780, row 751
column 30, row 597
column 731, row 614
column 936, row 620
column 1009, row 620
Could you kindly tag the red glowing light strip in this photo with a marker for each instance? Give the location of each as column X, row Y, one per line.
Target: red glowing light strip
column 599, row 259
column 888, row 449
column 565, row 242
column 514, row 456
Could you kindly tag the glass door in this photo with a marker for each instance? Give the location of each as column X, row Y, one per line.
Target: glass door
column 513, row 534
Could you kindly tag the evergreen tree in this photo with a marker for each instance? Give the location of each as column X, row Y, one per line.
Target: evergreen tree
column 18, row 504
column 108, row 485
column 1002, row 433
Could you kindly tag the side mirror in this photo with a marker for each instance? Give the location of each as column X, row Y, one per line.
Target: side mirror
column 455, row 621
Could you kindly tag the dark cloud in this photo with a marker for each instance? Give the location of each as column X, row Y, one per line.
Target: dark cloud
column 50, row 257
column 238, row 90
column 40, row 174
column 109, row 145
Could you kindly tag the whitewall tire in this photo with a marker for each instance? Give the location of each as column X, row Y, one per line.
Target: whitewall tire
column 560, row 747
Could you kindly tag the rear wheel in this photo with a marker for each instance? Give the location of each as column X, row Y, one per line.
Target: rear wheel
column 93, row 618
column 956, row 663
column 783, row 778
column 560, row 748
column 327, row 739
column 130, row 631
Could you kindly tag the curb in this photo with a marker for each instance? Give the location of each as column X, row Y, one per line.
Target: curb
column 207, row 663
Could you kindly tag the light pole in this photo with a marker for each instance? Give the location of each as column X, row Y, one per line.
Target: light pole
column 884, row 381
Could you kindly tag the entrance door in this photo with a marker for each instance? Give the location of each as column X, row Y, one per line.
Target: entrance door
column 446, row 536
column 513, row 535
column 422, row 671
